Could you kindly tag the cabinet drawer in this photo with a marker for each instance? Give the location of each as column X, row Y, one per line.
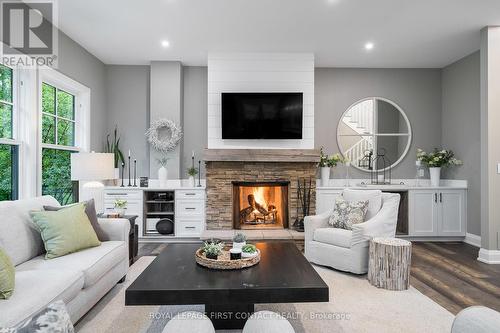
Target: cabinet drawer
column 122, row 194
column 188, row 227
column 190, row 207
column 189, row 194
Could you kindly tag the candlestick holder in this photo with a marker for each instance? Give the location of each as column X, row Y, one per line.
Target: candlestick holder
column 135, row 173
column 199, row 173
column 123, row 171
column 129, row 167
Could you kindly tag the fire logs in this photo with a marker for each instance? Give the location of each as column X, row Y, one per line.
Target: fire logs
column 256, row 213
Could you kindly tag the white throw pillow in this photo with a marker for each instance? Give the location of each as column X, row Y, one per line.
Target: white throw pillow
column 374, row 198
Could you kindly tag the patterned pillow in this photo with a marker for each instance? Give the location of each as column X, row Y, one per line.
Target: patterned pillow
column 53, row 319
column 347, row 213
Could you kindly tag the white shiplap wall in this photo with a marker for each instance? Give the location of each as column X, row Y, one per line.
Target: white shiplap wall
column 260, row 72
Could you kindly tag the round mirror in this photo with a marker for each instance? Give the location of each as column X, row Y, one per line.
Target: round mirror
column 374, row 134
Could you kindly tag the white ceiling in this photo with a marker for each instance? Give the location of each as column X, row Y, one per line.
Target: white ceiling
column 406, row 33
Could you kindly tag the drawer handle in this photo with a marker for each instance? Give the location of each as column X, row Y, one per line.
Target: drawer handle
column 189, row 208
column 440, row 197
column 117, row 194
column 190, row 227
column 189, row 193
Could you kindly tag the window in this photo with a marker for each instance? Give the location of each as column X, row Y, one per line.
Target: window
column 9, row 147
column 58, row 143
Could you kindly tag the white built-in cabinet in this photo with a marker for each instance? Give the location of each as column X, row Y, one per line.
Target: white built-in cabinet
column 432, row 212
column 437, row 212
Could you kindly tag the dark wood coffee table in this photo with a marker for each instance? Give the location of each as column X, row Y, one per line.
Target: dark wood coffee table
column 283, row 275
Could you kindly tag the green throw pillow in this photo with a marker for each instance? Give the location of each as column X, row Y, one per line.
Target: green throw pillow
column 7, row 276
column 65, row 231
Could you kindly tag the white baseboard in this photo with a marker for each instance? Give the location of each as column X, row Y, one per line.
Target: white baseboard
column 472, row 239
column 489, row 256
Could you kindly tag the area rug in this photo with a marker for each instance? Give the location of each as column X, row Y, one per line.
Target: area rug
column 355, row 306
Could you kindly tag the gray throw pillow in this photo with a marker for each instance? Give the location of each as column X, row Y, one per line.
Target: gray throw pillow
column 53, row 319
column 91, row 214
column 347, row 213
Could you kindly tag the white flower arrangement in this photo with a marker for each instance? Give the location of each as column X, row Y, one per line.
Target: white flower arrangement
column 168, row 143
column 438, row 158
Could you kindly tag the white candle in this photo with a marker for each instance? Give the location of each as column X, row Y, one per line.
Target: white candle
column 380, row 178
column 192, row 155
column 129, row 153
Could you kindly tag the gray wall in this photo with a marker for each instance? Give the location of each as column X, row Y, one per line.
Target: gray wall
column 195, row 116
column 416, row 91
column 128, row 108
column 461, row 129
column 80, row 65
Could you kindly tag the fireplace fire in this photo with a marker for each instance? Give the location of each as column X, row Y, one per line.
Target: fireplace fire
column 259, row 205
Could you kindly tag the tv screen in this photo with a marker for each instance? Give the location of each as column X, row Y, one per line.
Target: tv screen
column 261, row 115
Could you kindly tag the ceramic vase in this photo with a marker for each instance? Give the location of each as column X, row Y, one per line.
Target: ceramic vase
column 435, row 176
column 162, row 176
column 325, row 176
column 239, row 245
column 191, row 181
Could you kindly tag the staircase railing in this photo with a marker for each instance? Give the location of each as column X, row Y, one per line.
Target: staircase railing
column 358, row 150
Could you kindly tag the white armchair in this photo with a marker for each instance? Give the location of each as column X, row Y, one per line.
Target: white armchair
column 347, row 250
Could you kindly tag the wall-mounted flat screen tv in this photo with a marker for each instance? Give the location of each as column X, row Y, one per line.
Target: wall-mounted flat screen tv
column 262, row 115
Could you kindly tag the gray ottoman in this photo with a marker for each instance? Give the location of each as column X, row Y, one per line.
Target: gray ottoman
column 477, row 319
column 189, row 322
column 267, row 322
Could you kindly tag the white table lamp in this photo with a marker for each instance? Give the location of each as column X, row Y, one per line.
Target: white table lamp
column 92, row 168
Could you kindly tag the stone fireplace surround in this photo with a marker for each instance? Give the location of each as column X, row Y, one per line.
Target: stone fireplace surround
column 225, row 166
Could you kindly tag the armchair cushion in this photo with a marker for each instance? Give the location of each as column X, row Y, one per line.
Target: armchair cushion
column 333, row 236
column 347, row 213
column 374, row 198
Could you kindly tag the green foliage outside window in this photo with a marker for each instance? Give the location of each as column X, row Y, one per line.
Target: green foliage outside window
column 8, row 172
column 56, row 175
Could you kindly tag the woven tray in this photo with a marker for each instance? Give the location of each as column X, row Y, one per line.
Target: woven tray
column 224, row 260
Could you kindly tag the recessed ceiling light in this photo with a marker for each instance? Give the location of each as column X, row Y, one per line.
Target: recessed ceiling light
column 165, row 43
column 369, row 46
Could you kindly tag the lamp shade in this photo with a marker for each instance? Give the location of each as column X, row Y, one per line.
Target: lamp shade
column 92, row 166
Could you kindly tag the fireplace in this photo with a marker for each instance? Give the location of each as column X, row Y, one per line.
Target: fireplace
column 260, row 205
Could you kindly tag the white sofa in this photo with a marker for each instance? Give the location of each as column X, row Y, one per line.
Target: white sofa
column 79, row 279
column 347, row 250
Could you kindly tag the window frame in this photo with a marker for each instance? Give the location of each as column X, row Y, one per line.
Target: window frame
column 81, row 120
column 15, row 141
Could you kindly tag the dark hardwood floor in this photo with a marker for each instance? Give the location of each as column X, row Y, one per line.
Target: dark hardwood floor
column 448, row 273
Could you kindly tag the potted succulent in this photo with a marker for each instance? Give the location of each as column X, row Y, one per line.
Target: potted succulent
column 248, row 251
column 239, row 240
column 435, row 161
column 192, row 172
column 114, row 148
column 212, row 249
column 120, row 207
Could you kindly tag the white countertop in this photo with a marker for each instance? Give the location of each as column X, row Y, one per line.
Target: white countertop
column 396, row 185
column 172, row 184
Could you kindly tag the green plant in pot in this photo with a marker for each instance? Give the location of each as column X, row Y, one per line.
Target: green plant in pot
column 114, row 148
column 239, row 240
column 192, row 172
column 212, row 249
column 248, row 251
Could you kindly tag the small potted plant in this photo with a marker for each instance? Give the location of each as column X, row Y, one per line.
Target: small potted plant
column 192, row 172
column 435, row 161
column 248, row 251
column 324, row 168
column 212, row 249
column 239, row 240
column 120, row 207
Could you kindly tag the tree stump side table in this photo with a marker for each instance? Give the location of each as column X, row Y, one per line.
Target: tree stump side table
column 389, row 263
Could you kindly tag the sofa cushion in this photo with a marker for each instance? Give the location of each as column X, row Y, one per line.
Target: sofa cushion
column 333, row 236
column 65, row 231
column 19, row 237
column 91, row 214
column 35, row 289
column 7, row 275
column 93, row 262
column 374, row 198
